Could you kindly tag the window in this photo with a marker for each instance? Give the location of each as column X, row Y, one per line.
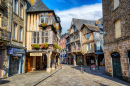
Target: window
column 87, row 36
column 21, row 10
column 77, row 36
column 20, row 34
column 14, row 30
column 88, row 47
column 117, row 29
column 78, row 46
column 96, row 35
column 73, row 37
column 98, row 45
column 35, row 37
column 44, row 18
column 16, row 6
column 116, row 3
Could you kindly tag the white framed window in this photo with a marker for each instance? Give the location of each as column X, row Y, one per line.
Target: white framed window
column 44, row 18
column 96, row 35
column 14, row 30
column 98, row 45
column 21, row 10
column 116, row 3
column 16, row 6
column 20, row 33
column 40, row 37
column 35, row 37
column 88, row 47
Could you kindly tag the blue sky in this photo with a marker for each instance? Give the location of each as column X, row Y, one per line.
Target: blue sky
column 68, row 9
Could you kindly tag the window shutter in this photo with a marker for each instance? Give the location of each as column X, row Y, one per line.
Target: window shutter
column 117, row 29
column 116, row 3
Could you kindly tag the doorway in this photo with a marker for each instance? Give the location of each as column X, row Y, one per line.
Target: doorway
column 29, row 64
column 116, row 65
column 38, row 63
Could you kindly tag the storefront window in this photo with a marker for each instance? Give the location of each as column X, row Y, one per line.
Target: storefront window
column 13, row 65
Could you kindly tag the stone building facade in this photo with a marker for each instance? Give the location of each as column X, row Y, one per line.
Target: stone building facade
column 14, row 22
column 116, row 18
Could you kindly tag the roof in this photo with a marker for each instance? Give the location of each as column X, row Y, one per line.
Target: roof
column 38, row 6
column 79, row 22
column 92, row 27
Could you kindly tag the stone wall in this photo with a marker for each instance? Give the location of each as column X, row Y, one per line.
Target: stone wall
column 110, row 15
column 122, row 48
column 122, row 44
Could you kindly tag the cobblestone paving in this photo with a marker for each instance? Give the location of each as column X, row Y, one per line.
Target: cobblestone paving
column 26, row 79
column 72, row 76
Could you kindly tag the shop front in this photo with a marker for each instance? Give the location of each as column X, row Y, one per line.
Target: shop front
column 35, row 61
column 79, row 60
column 16, row 61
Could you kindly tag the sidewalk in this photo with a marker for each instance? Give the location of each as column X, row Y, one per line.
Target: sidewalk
column 27, row 79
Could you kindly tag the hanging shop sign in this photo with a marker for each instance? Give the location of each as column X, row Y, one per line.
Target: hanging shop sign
column 115, row 54
column 35, row 54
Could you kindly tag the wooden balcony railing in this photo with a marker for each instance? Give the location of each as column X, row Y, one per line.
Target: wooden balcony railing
column 5, row 35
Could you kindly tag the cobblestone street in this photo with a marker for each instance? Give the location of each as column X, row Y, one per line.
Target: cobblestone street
column 72, row 76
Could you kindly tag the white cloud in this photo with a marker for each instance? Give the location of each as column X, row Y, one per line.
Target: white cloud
column 84, row 12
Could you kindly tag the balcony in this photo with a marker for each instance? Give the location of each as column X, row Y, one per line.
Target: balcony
column 75, row 50
column 5, row 36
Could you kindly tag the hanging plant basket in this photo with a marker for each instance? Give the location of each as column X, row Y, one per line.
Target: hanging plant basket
column 44, row 25
column 44, row 46
column 55, row 46
column 35, row 46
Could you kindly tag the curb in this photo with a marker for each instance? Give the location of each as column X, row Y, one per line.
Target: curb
column 47, row 77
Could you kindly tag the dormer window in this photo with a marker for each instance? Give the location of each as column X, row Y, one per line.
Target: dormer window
column 116, row 3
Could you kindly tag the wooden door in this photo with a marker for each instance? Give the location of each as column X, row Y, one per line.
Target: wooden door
column 29, row 64
column 117, row 68
column 37, row 63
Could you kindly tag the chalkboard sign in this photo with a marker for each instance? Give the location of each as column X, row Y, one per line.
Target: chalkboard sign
column 115, row 54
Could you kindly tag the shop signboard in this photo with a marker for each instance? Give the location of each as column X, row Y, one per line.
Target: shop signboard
column 10, row 51
column 35, row 54
column 19, row 55
column 15, row 50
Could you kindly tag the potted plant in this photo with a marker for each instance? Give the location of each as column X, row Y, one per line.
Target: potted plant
column 36, row 46
column 44, row 24
column 45, row 45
